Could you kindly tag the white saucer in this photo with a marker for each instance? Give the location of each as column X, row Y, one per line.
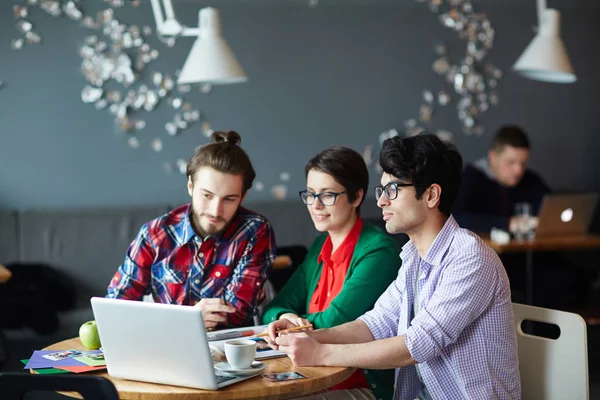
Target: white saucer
column 256, row 367
column 212, row 351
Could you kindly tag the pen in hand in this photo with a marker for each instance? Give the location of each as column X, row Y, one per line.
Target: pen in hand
column 296, row 328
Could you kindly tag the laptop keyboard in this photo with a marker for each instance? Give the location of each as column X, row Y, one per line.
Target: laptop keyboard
column 224, row 378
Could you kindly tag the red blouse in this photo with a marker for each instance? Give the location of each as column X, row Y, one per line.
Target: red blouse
column 333, row 274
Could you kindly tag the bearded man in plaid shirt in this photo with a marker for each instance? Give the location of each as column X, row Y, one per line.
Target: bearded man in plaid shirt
column 211, row 253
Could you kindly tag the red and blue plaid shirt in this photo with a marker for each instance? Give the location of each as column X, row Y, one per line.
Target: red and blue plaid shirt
column 170, row 261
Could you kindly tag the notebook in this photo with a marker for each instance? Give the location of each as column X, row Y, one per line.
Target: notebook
column 263, row 352
column 157, row 343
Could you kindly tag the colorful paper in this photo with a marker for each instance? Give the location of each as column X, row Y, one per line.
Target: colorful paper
column 92, row 362
column 84, row 368
column 38, row 361
column 47, row 371
column 62, row 355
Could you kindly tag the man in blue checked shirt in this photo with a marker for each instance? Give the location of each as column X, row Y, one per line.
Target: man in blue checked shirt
column 446, row 323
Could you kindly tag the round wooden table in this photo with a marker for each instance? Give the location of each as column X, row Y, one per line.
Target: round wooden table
column 318, row 378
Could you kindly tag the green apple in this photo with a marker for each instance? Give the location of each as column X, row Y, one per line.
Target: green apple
column 88, row 334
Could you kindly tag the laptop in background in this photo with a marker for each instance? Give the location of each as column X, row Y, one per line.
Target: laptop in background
column 157, row 343
column 564, row 214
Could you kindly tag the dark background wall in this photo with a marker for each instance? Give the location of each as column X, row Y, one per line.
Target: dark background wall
column 336, row 74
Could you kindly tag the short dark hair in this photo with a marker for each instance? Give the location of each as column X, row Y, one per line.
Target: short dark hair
column 510, row 135
column 424, row 159
column 224, row 155
column 346, row 166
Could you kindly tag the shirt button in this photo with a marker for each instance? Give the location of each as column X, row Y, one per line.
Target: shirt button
column 201, row 255
column 218, row 273
column 373, row 386
column 365, row 371
column 197, row 281
column 257, row 283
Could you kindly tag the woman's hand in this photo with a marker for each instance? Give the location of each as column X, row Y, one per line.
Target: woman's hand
column 285, row 321
column 295, row 319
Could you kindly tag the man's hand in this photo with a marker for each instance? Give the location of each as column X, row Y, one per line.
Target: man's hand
column 520, row 222
column 214, row 311
column 534, row 222
column 302, row 349
column 513, row 223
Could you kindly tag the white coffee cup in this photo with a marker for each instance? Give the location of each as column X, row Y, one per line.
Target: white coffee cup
column 240, row 353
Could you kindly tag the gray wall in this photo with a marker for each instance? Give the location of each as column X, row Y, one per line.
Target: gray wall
column 318, row 77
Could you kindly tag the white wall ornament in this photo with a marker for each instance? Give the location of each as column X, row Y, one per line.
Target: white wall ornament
column 471, row 80
column 115, row 54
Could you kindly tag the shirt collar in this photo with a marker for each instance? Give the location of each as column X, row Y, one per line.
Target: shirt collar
column 438, row 248
column 187, row 232
column 441, row 243
column 345, row 249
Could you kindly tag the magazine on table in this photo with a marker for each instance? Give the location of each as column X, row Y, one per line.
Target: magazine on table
column 217, row 341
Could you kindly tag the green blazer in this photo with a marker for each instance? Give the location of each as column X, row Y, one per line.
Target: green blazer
column 374, row 266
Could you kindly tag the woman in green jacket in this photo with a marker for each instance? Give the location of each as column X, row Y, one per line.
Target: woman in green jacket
column 347, row 268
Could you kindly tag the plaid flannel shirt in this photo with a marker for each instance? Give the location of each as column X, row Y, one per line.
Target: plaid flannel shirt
column 170, row 261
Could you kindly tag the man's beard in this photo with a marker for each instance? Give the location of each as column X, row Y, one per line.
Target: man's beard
column 211, row 230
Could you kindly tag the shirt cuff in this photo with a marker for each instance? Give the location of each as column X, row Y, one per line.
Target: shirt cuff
column 282, row 311
column 419, row 344
column 275, row 313
column 372, row 323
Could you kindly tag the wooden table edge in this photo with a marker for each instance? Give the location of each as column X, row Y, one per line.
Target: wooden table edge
column 547, row 243
column 276, row 390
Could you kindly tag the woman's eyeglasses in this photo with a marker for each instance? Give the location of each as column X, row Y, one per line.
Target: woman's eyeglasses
column 326, row 198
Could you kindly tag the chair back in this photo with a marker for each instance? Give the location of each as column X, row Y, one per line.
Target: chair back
column 552, row 369
column 269, row 295
column 14, row 385
column 287, row 261
column 281, row 272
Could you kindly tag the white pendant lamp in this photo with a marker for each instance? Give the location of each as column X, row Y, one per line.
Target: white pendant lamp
column 211, row 59
column 546, row 58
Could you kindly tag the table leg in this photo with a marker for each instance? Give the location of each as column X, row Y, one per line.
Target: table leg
column 529, row 277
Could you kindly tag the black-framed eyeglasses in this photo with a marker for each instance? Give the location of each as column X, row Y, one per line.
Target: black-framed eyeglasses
column 326, row 198
column 390, row 190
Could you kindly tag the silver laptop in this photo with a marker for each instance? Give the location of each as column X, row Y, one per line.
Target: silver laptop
column 157, row 343
column 566, row 214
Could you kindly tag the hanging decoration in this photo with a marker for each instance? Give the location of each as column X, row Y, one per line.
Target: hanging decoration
column 472, row 81
column 114, row 52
